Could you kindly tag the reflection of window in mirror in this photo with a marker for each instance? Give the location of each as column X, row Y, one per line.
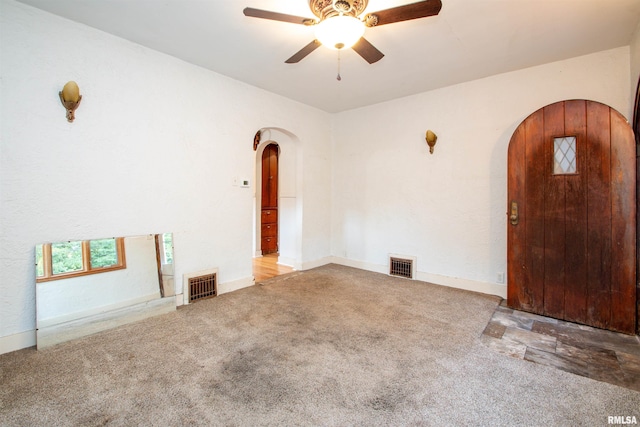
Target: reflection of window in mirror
column 39, row 262
column 167, row 248
column 104, row 253
column 66, row 257
column 78, row 258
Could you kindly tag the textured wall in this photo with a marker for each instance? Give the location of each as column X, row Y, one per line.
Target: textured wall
column 635, row 66
column 448, row 209
column 154, row 148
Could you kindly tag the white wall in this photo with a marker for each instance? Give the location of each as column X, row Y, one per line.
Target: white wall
column 635, row 66
column 154, row 148
column 449, row 209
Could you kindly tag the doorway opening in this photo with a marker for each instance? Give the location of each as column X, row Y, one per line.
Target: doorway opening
column 269, row 200
column 571, row 239
column 277, row 204
column 267, row 266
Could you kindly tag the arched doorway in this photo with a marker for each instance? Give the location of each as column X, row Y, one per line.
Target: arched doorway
column 571, row 242
column 289, row 195
column 269, row 200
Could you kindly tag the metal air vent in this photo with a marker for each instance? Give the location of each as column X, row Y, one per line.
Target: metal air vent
column 401, row 266
column 202, row 284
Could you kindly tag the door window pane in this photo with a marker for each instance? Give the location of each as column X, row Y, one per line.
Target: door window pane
column 564, row 155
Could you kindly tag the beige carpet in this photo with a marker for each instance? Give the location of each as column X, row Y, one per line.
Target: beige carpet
column 329, row 346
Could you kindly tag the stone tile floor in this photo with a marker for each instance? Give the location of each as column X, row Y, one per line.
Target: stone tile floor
column 582, row 350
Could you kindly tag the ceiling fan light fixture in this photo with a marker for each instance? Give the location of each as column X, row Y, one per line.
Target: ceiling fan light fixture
column 338, row 32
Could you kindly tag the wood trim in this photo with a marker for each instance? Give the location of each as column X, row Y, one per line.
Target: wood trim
column 157, row 241
column 636, row 114
column 46, row 254
column 86, row 256
column 636, row 129
column 623, row 227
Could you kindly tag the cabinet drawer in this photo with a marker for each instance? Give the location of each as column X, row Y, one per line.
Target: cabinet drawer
column 269, row 244
column 269, row 216
column 269, row 230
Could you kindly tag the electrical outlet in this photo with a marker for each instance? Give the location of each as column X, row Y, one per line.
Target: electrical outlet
column 500, row 277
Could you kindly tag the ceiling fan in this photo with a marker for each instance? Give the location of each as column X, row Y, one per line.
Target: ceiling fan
column 339, row 25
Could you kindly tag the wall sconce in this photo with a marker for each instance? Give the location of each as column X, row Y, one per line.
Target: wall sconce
column 256, row 140
column 431, row 140
column 70, row 97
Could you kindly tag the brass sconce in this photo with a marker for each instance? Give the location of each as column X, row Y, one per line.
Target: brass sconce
column 256, row 140
column 70, row 97
column 431, row 140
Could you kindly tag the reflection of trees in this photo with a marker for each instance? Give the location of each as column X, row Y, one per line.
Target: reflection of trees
column 167, row 241
column 66, row 256
column 103, row 253
column 39, row 261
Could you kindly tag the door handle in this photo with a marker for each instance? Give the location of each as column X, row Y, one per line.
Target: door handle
column 513, row 218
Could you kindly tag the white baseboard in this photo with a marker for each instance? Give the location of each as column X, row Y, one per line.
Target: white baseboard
column 376, row 268
column 17, row 341
column 498, row 289
column 234, row 285
column 179, row 300
column 62, row 332
column 307, row 265
column 289, row 262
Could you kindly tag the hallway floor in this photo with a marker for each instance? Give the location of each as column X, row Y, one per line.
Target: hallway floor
column 582, row 350
column 267, row 266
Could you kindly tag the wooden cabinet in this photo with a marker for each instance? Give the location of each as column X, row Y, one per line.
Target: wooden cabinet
column 269, row 231
column 269, row 216
column 269, row 200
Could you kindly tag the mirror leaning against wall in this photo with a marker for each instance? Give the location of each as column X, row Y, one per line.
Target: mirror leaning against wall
column 86, row 286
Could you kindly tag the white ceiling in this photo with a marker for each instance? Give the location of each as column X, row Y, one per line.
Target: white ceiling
column 469, row 39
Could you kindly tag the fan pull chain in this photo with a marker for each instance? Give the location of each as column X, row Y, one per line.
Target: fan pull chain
column 338, row 78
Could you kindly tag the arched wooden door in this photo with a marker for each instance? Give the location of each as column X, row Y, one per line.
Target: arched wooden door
column 572, row 228
column 269, row 203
